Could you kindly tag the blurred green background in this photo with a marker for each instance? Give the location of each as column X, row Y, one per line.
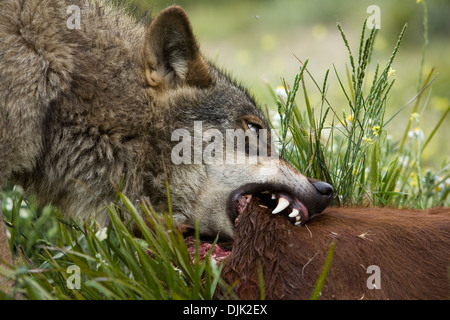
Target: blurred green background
column 256, row 40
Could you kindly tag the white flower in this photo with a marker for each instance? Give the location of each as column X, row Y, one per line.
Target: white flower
column 416, row 133
column 8, row 204
column 280, row 91
column 101, row 261
column 102, row 234
column 24, row 213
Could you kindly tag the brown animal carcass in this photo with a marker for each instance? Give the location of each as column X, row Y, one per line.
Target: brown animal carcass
column 380, row 253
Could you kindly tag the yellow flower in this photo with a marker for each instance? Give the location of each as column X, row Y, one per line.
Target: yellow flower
column 349, row 120
column 391, row 72
column 376, row 130
column 367, row 140
column 414, row 116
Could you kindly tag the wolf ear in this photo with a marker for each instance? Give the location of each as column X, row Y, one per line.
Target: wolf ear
column 171, row 53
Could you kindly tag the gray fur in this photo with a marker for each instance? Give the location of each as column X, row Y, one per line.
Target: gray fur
column 80, row 109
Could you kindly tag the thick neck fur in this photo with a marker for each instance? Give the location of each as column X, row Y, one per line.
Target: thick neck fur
column 97, row 66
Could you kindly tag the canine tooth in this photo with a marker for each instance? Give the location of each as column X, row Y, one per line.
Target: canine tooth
column 294, row 213
column 283, row 203
column 297, row 223
column 274, row 196
column 298, row 218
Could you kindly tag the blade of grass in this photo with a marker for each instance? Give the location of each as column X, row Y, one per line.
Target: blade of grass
column 323, row 275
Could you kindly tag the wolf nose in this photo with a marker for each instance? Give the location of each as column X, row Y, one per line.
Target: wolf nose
column 323, row 188
column 322, row 198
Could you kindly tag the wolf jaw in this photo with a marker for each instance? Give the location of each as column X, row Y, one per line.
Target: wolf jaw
column 275, row 197
column 280, row 202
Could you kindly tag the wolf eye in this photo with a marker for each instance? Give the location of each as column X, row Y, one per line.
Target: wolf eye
column 252, row 123
column 254, row 127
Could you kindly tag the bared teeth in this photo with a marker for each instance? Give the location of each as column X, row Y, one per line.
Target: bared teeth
column 283, row 203
column 296, row 210
column 294, row 213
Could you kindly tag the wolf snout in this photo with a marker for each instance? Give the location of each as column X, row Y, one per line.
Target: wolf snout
column 323, row 196
column 323, row 188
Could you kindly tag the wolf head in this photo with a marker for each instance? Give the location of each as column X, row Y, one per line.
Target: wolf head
column 208, row 123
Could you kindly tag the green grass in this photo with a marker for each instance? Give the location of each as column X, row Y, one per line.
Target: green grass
column 353, row 151
column 112, row 262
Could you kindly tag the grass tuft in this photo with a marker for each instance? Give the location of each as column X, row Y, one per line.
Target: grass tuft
column 354, row 151
column 115, row 265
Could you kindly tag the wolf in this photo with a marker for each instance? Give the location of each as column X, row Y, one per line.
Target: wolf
column 93, row 105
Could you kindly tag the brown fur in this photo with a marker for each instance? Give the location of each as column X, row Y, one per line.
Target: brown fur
column 411, row 248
